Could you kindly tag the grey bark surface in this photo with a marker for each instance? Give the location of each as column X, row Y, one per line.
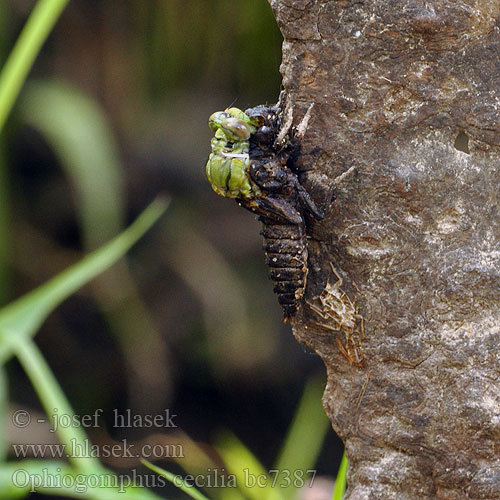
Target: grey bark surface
column 413, row 230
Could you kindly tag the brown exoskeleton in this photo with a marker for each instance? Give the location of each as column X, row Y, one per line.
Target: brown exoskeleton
column 339, row 313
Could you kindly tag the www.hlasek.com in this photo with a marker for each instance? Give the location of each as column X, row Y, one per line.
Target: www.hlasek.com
column 214, row 478
column 85, row 449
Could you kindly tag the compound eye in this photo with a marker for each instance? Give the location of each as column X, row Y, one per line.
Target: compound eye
column 237, row 127
column 215, row 120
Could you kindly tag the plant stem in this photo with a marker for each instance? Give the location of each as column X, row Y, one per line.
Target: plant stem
column 27, row 47
column 55, row 404
column 3, row 414
column 340, row 482
column 176, row 480
column 5, row 236
column 22, row 318
column 4, row 184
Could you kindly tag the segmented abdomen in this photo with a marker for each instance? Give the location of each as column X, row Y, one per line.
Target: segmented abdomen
column 286, row 256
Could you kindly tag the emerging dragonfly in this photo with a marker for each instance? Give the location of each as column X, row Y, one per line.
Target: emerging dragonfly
column 251, row 161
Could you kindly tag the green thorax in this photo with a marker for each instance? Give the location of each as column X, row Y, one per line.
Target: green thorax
column 228, row 165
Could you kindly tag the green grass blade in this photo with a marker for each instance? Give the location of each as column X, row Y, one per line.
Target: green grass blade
column 341, row 481
column 241, row 462
column 78, row 132
column 40, row 469
column 305, row 436
column 12, row 482
column 54, row 400
column 23, row 317
column 5, row 234
column 28, row 45
column 3, row 413
column 176, row 481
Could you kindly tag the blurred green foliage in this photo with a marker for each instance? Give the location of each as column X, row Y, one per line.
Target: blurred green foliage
column 114, row 113
column 293, row 470
column 19, row 322
column 227, row 45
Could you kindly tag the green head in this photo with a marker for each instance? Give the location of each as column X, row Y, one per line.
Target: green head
column 233, row 123
column 228, row 165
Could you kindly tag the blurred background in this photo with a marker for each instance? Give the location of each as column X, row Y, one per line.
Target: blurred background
column 113, row 114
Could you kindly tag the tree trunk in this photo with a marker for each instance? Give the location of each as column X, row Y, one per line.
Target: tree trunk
column 406, row 100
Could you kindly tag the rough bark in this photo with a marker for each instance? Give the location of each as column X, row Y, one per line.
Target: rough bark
column 413, row 231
